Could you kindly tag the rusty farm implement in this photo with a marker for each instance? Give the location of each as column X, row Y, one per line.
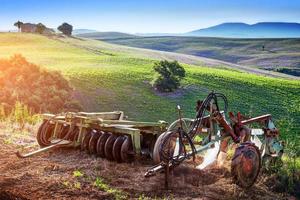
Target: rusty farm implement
column 109, row 135
column 105, row 134
column 256, row 140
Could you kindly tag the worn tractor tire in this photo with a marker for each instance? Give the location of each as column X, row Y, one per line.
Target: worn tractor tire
column 246, row 165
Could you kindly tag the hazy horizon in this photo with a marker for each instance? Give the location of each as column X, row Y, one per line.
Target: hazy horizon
column 145, row 16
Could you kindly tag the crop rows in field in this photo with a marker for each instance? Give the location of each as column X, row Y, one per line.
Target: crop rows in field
column 107, row 77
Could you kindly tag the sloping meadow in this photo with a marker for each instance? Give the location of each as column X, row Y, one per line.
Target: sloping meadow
column 106, row 78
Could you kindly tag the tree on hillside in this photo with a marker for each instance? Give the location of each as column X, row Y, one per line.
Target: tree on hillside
column 169, row 75
column 66, row 29
column 18, row 24
column 40, row 28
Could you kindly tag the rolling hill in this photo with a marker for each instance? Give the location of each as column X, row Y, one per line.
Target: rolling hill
column 269, row 54
column 82, row 31
column 105, row 35
column 110, row 77
column 258, row 30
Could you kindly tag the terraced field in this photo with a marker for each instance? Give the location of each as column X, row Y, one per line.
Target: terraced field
column 111, row 77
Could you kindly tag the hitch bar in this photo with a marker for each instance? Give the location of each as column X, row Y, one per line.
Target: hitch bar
column 55, row 143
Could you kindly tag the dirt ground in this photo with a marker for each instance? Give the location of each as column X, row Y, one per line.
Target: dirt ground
column 52, row 175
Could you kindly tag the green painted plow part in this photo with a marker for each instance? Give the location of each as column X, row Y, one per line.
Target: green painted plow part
column 101, row 122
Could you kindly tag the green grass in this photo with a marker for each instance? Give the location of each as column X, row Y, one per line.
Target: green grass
column 77, row 173
column 109, row 77
column 118, row 194
column 278, row 52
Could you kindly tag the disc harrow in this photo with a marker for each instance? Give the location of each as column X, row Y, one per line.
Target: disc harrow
column 107, row 135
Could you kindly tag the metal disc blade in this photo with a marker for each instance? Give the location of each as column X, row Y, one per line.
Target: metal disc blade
column 117, row 148
column 127, row 150
column 64, row 131
column 101, row 144
column 45, row 133
column 165, row 147
column 85, row 142
column 93, row 142
column 74, row 134
column 109, row 147
column 155, row 154
column 39, row 134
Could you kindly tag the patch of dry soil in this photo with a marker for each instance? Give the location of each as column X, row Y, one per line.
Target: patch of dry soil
column 50, row 176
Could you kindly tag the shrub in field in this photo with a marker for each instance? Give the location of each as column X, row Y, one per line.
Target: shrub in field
column 288, row 173
column 66, row 28
column 35, row 88
column 169, row 75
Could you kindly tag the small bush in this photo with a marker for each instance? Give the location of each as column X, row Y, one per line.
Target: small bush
column 169, row 75
column 66, row 29
column 287, row 173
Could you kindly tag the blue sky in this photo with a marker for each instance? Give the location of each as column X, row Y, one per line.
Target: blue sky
column 132, row 16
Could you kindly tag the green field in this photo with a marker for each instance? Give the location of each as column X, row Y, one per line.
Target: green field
column 277, row 53
column 110, row 77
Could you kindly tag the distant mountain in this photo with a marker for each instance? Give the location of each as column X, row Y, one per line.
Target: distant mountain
column 82, row 31
column 258, row 30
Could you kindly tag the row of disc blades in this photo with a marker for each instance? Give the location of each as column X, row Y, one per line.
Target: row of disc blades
column 103, row 144
column 108, row 145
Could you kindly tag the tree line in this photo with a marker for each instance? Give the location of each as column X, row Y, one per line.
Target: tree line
column 40, row 28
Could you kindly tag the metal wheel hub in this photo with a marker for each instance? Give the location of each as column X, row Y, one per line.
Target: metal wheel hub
column 246, row 164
